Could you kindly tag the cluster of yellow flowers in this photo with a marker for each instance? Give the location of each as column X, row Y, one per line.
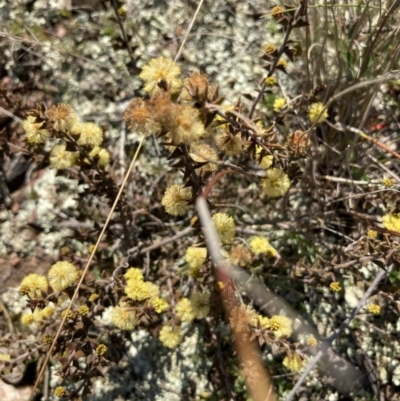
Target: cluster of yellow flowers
column 197, row 307
column 61, row 120
column 124, row 315
column 61, row 275
column 293, row 362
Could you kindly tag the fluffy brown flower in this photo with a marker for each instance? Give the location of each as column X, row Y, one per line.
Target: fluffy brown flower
column 139, row 117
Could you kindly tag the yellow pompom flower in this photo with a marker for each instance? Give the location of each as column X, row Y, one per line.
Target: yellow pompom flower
column 314, row 113
column 311, row 341
column 200, row 304
column 140, row 290
column 60, row 391
column 293, row 362
column 83, row 310
column 282, row 63
column 103, row 157
column 123, row 317
column 269, row 48
column 184, row 310
column 47, row 312
column 225, row 226
column 69, row 314
column 27, row 319
column 276, row 182
column 93, row 297
column 160, row 305
column 387, row 182
column 185, row 125
column 391, row 221
column 60, row 158
column 277, row 12
column 47, row 339
column 281, row 326
column 271, row 81
column 170, row 336
column 90, row 134
column 161, row 71
column 195, row 257
column 335, row 286
column 176, row 200
column 62, row 275
column 372, row 234
column 101, row 349
column 260, row 245
column 133, row 273
column 33, row 132
column 279, row 104
column 374, row 309
column 34, row 285
column 230, row 144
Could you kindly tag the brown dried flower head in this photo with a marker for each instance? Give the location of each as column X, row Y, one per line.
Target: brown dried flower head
column 63, row 117
column 139, row 117
column 298, row 143
column 196, row 87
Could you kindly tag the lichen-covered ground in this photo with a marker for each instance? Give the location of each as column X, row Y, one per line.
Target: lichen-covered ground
column 335, row 231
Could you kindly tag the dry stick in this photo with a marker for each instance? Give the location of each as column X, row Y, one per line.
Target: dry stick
column 278, row 56
column 85, row 270
column 342, row 127
column 188, row 31
column 258, row 380
column 336, row 334
column 13, row 116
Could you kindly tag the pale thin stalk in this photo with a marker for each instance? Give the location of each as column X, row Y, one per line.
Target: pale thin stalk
column 248, row 353
column 188, row 31
column 85, row 270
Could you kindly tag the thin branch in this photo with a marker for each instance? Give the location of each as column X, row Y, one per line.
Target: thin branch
column 42, row 370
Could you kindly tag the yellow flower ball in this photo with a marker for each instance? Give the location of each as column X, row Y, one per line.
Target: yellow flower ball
column 62, row 275
column 34, row 285
column 293, row 362
column 160, row 305
column 260, row 245
column 200, row 302
column 276, row 183
column 123, row 317
column 170, row 336
column 176, row 200
column 90, row 134
column 225, row 226
column 391, row 221
column 161, row 70
column 281, row 326
column 184, row 310
column 195, row 257
column 314, row 113
column 34, row 135
column 60, row 158
column 279, row 104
